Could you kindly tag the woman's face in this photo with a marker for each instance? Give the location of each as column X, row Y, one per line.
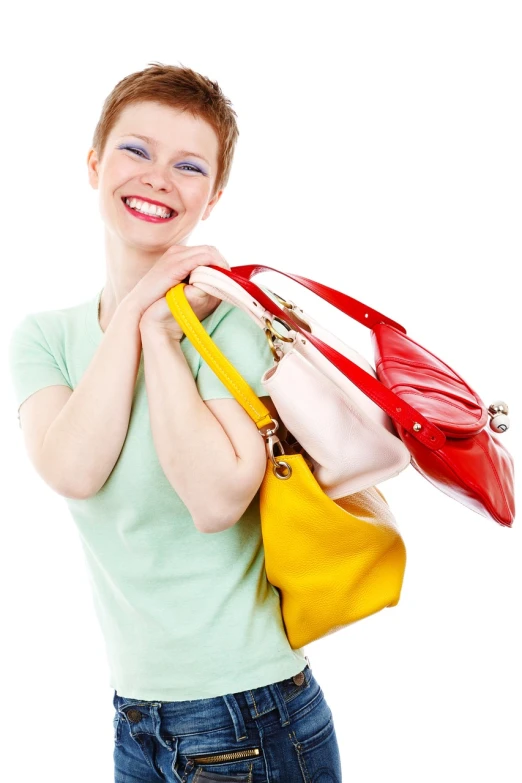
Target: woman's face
column 159, row 169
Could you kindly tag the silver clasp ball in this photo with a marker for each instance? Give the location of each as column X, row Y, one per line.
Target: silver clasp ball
column 499, row 421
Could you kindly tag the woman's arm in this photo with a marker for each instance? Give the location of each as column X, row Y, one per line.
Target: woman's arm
column 211, row 452
column 84, row 441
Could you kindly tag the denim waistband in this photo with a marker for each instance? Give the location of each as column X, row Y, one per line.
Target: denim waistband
column 196, row 715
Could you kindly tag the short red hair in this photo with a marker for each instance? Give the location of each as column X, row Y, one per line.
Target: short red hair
column 181, row 88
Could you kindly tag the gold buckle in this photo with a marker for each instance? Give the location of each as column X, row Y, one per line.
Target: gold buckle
column 270, row 333
column 283, row 302
column 293, row 308
column 270, row 326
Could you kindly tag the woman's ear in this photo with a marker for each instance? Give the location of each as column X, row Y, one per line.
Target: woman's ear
column 211, row 204
column 92, row 168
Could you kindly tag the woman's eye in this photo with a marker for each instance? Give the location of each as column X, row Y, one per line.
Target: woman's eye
column 133, row 149
column 188, row 165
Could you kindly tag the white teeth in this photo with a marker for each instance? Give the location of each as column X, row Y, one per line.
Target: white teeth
column 148, row 209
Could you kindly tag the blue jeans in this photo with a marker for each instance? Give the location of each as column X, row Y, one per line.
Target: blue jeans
column 279, row 733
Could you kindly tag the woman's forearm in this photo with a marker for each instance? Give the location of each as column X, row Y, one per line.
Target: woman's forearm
column 85, row 440
column 195, row 452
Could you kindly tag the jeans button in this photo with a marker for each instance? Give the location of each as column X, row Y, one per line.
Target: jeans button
column 133, row 715
column 298, row 678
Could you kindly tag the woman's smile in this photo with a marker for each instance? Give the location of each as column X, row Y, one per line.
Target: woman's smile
column 139, row 211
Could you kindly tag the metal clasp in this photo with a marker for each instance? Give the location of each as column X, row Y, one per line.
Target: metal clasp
column 272, row 442
column 295, row 310
column 283, row 302
column 270, row 333
column 270, row 327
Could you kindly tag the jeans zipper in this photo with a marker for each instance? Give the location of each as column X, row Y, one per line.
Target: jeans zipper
column 232, row 756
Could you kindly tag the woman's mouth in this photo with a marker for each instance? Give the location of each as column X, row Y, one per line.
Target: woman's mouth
column 150, row 212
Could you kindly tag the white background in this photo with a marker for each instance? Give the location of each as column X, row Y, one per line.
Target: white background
column 379, row 152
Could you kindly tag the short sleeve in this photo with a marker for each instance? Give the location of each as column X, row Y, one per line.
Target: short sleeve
column 31, row 362
column 244, row 344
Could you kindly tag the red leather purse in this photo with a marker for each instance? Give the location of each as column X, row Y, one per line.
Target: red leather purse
column 439, row 417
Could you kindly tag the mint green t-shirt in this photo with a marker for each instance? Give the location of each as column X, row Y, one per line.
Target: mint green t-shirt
column 184, row 614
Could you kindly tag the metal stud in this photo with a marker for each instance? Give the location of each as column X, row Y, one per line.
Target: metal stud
column 498, row 407
column 499, row 421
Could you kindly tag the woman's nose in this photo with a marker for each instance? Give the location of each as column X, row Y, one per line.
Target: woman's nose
column 158, row 177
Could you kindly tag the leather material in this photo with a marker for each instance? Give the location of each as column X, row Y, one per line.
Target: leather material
column 224, row 369
column 460, row 456
column 398, row 409
column 431, row 386
column 333, row 562
column 350, row 440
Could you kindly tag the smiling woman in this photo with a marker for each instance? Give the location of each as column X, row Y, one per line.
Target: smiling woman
column 161, row 467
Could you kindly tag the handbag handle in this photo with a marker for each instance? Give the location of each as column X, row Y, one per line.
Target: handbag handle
column 217, row 361
column 417, row 425
column 366, row 316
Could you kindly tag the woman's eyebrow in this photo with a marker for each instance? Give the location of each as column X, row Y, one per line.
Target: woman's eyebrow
column 154, row 142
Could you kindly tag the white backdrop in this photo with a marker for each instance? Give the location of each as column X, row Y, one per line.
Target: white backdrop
column 379, row 152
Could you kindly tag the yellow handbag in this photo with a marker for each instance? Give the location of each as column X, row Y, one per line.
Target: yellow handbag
column 333, row 561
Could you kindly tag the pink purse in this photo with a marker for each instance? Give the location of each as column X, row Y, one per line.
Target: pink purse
column 349, row 441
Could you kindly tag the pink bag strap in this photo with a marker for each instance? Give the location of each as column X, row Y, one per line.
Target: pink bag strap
column 398, row 409
column 366, row 316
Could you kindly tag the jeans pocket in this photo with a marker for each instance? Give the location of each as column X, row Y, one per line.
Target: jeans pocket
column 313, row 721
column 226, row 765
column 315, row 742
column 206, row 776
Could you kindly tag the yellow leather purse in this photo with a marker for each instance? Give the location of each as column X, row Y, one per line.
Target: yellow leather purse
column 333, row 561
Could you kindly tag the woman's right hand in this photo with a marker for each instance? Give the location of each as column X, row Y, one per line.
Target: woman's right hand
column 171, row 268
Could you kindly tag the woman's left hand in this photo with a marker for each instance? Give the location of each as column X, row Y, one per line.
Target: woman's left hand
column 158, row 317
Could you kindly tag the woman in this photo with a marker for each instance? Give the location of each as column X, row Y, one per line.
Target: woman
column 160, row 466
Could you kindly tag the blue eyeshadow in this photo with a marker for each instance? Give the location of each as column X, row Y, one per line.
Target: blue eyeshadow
column 186, row 162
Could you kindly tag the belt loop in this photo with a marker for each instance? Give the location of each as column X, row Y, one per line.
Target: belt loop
column 236, row 715
column 281, row 704
column 155, row 715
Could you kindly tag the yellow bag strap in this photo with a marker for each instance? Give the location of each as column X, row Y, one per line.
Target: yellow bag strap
column 206, row 347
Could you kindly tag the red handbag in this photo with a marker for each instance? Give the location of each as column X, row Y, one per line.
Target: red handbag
column 438, row 416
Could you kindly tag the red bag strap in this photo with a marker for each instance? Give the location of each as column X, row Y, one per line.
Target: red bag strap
column 398, row 409
column 366, row 316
